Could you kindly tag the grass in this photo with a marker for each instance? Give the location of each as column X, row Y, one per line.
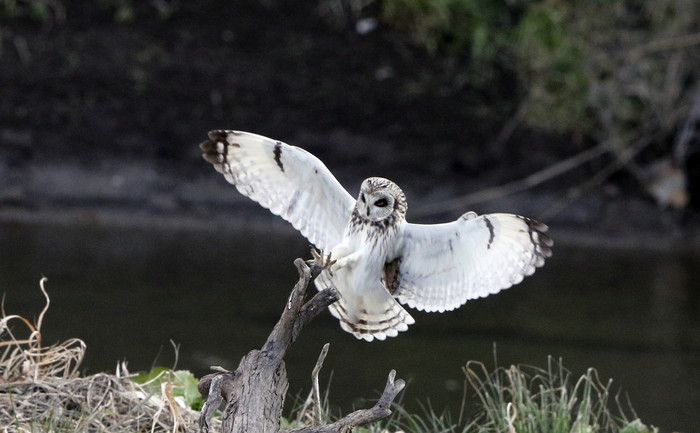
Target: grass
column 528, row 399
column 41, row 390
column 516, row 399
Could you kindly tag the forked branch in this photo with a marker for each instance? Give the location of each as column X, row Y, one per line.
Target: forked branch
column 380, row 411
column 254, row 393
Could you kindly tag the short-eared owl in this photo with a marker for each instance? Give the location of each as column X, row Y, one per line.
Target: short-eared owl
column 381, row 259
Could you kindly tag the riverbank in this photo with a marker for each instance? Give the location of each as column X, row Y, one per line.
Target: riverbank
column 157, row 195
column 101, row 114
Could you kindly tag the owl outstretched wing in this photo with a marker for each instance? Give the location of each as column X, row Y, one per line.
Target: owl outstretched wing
column 440, row 267
column 287, row 180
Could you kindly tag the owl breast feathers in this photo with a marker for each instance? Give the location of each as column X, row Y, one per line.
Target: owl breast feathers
column 381, row 260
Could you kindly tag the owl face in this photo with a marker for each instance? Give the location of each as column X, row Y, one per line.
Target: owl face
column 380, row 198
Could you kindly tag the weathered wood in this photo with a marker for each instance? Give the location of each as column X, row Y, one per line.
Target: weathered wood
column 315, row 388
column 363, row 416
column 255, row 392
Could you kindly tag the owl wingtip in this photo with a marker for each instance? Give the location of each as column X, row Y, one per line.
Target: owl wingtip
column 217, row 134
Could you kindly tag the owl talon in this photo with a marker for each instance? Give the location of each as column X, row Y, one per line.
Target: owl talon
column 319, row 260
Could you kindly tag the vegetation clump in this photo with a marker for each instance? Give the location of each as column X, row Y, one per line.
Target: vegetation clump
column 41, row 389
column 527, row 399
column 620, row 74
column 579, row 67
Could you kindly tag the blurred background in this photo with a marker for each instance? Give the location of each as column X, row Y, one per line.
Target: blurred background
column 584, row 115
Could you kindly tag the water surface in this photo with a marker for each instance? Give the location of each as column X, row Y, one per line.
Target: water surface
column 634, row 315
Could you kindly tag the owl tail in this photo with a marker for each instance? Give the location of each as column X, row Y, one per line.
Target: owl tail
column 372, row 314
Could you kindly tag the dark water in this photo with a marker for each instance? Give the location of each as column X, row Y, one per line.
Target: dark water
column 633, row 315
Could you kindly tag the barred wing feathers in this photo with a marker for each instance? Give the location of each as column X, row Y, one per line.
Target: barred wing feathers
column 442, row 266
column 287, row 180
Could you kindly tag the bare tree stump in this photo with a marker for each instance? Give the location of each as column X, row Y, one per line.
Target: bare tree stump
column 255, row 392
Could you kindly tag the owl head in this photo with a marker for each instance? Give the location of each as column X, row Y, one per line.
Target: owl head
column 380, row 198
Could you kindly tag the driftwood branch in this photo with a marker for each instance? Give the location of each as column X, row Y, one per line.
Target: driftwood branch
column 534, row 179
column 297, row 314
column 624, row 158
column 254, row 393
column 380, row 411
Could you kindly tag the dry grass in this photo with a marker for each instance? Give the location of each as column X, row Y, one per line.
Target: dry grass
column 41, row 389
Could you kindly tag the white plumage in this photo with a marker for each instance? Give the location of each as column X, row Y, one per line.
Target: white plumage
column 380, row 258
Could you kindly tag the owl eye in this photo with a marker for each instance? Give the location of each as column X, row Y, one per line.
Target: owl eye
column 380, row 203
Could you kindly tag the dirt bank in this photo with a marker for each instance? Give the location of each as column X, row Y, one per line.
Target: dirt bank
column 100, row 117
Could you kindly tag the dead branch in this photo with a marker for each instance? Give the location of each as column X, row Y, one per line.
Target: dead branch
column 314, row 384
column 314, row 398
column 363, row 416
column 666, row 44
column 254, row 393
column 462, row 202
column 688, row 131
column 624, row 159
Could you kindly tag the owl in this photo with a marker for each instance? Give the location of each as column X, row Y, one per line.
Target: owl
column 381, row 261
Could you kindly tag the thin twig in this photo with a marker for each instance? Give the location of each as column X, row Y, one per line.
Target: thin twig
column 315, row 387
column 623, row 159
column 22, row 49
column 507, row 129
column 657, row 45
column 680, row 146
column 314, row 398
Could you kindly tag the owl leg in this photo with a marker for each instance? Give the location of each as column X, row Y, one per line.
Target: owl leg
column 346, row 262
column 344, row 257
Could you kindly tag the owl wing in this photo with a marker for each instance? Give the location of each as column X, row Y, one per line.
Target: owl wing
column 287, row 180
column 440, row 267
